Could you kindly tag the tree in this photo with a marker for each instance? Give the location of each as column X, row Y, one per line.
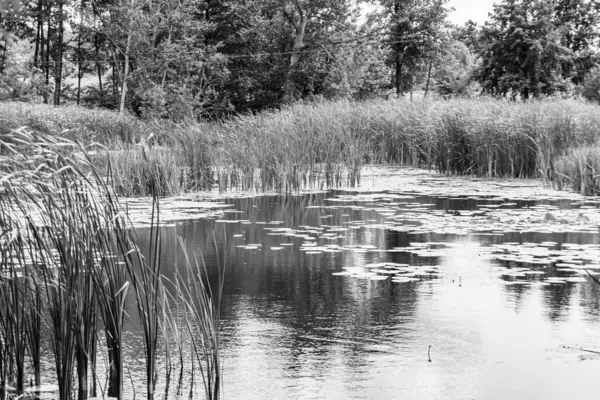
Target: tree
column 454, row 68
column 369, row 76
column 415, row 28
column 8, row 7
column 19, row 81
column 182, row 59
column 60, row 21
column 130, row 11
column 579, row 22
column 529, row 48
column 314, row 17
column 255, row 38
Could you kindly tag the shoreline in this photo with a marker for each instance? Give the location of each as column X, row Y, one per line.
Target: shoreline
column 374, row 180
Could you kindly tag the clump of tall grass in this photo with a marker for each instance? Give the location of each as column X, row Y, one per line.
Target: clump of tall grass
column 295, row 147
column 484, row 137
column 325, row 144
column 69, row 260
column 288, row 148
column 186, row 165
column 137, row 172
column 202, row 317
column 579, row 169
column 78, row 124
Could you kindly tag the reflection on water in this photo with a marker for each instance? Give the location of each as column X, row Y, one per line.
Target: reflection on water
column 293, row 330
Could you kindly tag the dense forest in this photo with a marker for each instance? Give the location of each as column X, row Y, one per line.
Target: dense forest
column 183, row 59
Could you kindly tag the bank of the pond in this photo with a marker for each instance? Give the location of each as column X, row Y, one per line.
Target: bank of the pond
column 381, row 181
column 327, row 144
column 321, row 145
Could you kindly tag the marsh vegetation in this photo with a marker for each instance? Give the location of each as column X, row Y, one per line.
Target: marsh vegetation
column 325, row 144
column 70, row 265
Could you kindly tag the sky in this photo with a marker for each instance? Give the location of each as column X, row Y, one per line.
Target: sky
column 476, row 10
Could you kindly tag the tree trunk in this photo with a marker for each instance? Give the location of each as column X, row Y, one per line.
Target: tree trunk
column 126, row 69
column 47, row 58
column 428, row 76
column 79, row 56
column 42, row 42
column 98, row 65
column 4, row 55
column 290, row 86
column 398, row 61
column 42, row 52
column 398, row 83
column 115, row 75
column 59, row 55
column 39, row 36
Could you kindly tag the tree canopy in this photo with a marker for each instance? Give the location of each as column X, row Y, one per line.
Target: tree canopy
column 182, row 59
column 537, row 47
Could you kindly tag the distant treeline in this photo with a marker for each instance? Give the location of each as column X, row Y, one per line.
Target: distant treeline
column 182, row 59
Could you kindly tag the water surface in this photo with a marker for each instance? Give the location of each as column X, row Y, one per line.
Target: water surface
column 291, row 329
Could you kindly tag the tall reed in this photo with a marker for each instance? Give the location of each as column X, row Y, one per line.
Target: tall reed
column 70, row 258
column 201, row 320
column 78, row 124
column 579, row 169
column 325, row 144
column 74, row 226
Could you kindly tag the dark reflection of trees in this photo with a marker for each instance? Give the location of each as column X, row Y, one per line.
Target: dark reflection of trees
column 397, row 239
column 557, row 300
column 560, row 238
column 590, row 299
column 516, row 296
column 326, row 313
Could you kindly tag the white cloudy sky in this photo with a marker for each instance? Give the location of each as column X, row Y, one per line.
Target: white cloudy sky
column 477, row 10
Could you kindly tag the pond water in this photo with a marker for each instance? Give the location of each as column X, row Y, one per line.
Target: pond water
column 340, row 296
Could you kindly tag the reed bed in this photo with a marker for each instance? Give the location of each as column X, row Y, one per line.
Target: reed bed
column 317, row 145
column 325, row 144
column 138, row 172
column 70, row 263
column 579, row 169
column 78, row 124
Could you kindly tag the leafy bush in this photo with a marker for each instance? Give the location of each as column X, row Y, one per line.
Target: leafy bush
column 74, row 123
column 18, row 80
column 591, row 88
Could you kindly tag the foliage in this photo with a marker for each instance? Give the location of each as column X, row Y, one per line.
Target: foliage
column 198, row 59
column 533, row 48
column 19, row 81
column 369, row 78
column 453, row 72
column 416, row 30
column 75, row 123
column 591, row 88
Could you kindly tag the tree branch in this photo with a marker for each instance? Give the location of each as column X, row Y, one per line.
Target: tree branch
column 290, row 18
column 299, row 8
